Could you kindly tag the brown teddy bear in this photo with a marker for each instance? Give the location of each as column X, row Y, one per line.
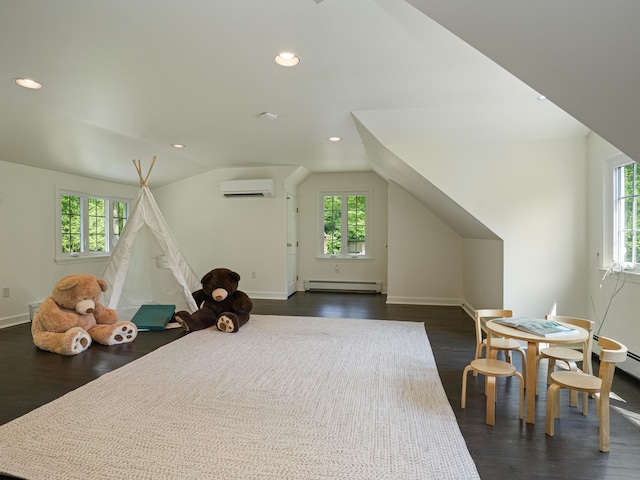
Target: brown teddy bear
column 221, row 303
column 71, row 318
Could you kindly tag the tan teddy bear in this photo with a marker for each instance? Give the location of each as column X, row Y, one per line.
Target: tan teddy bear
column 71, row 318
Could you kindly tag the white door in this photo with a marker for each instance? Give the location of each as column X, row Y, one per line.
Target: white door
column 292, row 243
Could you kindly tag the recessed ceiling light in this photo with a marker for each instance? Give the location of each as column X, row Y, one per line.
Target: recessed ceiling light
column 334, row 139
column 178, row 145
column 268, row 116
column 27, row 83
column 541, row 97
column 287, row 59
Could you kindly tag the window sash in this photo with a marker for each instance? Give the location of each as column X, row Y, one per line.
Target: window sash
column 626, row 179
column 344, row 224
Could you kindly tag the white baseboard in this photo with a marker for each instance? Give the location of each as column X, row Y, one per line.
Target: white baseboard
column 267, row 295
column 447, row 302
column 469, row 309
column 12, row 321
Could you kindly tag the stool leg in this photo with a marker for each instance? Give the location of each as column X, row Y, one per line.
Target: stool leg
column 464, row 385
column 550, row 368
column 524, row 363
column 573, row 394
column 573, row 398
column 605, row 438
column 491, row 400
column 551, row 407
column 479, row 349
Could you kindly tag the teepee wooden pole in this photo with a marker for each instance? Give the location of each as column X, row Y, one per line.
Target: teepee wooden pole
column 153, row 162
column 137, row 164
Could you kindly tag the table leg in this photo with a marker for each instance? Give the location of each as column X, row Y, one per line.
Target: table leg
column 532, row 375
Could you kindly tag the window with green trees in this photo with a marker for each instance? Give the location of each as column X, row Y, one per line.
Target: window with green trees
column 71, row 224
column 89, row 224
column 627, row 213
column 344, row 224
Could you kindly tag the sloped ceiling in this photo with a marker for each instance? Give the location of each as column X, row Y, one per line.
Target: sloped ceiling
column 388, row 165
column 581, row 54
column 125, row 79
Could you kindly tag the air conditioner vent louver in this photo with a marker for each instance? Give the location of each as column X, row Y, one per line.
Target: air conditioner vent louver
column 248, row 188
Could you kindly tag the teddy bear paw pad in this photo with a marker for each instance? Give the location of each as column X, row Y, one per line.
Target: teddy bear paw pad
column 183, row 323
column 226, row 324
column 80, row 342
column 123, row 334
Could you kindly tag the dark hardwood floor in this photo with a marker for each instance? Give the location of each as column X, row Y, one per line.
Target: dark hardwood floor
column 30, row 378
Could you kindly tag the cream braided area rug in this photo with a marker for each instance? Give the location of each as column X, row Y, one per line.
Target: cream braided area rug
column 283, row 398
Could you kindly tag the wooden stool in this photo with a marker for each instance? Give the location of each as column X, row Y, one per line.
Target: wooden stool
column 491, row 369
column 506, row 345
column 611, row 352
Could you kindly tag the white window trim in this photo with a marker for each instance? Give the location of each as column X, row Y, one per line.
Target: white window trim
column 85, row 256
column 320, row 255
column 609, row 263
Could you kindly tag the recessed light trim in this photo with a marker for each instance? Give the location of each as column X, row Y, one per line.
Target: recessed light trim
column 287, row 59
column 542, row 98
column 334, row 139
column 178, row 145
column 28, row 83
column 268, row 116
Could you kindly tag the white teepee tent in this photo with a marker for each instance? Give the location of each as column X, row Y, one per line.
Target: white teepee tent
column 146, row 265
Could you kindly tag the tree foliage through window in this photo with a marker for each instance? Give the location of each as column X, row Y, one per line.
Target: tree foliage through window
column 628, row 213
column 90, row 224
column 71, row 224
column 344, row 228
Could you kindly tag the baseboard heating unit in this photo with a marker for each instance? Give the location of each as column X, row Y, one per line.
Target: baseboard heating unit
column 342, row 286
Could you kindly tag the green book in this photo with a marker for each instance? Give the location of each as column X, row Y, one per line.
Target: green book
column 153, row 317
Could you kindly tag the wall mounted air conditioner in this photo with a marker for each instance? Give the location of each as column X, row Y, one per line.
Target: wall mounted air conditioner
column 248, row 188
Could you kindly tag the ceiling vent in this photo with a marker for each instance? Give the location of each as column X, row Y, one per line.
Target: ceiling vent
column 248, row 188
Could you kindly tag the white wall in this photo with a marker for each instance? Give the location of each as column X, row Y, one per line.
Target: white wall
column 533, row 196
column 616, row 316
column 310, row 232
column 27, row 235
column 247, row 235
column 482, row 275
column 425, row 255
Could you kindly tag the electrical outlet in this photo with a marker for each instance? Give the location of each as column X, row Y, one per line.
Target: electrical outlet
column 6, row 292
column 253, row 274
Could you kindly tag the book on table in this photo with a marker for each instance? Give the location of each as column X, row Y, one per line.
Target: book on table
column 536, row 326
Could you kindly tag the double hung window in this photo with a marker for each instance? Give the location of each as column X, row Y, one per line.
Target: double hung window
column 88, row 225
column 345, row 224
